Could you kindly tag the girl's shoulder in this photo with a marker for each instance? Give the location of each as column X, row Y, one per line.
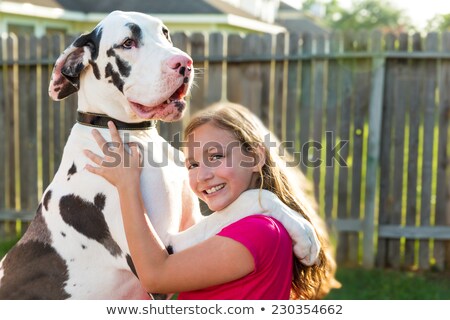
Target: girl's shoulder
column 263, row 236
column 255, row 226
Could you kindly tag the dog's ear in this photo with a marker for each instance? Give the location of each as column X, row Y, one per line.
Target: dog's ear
column 69, row 65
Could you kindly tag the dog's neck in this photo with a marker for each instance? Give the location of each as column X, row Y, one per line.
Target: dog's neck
column 101, row 121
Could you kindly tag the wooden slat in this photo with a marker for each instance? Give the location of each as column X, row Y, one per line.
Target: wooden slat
column 31, row 129
column 252, row 82
column 415, row 74
column 56, row 114
column 360, row 106
column 25, row 116
column 317, row 111
column 344, row 114
column 44, row 116
column 277, row 111
column 428, row 138
column 348, row 225
column 3, row 98
column 236, row 72
column 293, row 95
column 330, row 126
column 398, row 144
column 385, row 207
column 423, row 232
column 443, row 162
column 10, row 89
column 373, row 151
column 215, row 69
column 305, row 99
column 198, row 91
column 266, row 77
column 12, row 215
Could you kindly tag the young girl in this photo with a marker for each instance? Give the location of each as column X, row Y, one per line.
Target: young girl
column 249, row 259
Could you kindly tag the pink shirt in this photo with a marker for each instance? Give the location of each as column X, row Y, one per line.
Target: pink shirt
column 271, row 248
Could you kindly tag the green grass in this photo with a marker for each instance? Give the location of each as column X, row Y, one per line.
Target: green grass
column 5, row 245
column 378, row 284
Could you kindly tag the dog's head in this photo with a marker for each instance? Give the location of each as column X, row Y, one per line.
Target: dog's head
column 126, row 68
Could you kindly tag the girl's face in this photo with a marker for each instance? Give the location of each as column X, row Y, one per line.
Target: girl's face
column 219, row 171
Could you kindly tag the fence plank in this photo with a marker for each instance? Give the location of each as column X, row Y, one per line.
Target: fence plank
column 330, row 126
column 399, row 112
column 266, row 78
column 421, row 232
column 361, row 87
column 45, row 124
column 56, row 113
column 3, row 133
column 442, row 217
column 198, row 46
column 415, row 74
column 3, row 106
column 373, row 150
column 305, row 99
column 31, row 132
column 428, row 138
column 215, row 68
column 235, row 70
column 25, row 115
column 292, row 103
column 277, row 111
column 252, row 82
column 345, row 111
column 318, row 87
column 10, row 90
column 385, row 208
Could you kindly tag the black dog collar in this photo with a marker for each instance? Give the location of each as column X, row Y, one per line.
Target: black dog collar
column 101, row 121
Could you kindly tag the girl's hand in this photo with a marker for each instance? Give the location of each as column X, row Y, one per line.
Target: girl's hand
column 119, row 166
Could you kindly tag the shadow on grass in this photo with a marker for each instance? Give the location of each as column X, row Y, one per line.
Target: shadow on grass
column 379, row 284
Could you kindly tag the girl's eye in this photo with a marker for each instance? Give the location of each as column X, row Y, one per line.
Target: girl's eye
column 190, row 166
column 215, row 157
column 129, row 44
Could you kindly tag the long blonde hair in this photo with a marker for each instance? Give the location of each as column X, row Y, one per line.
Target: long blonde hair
column 308, row 282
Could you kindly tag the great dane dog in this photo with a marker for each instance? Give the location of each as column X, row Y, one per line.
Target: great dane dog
column 127, row 70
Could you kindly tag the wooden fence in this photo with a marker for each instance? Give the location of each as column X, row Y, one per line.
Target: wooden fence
column 376, row 108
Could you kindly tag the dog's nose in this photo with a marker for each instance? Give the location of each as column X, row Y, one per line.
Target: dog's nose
column 181, row 64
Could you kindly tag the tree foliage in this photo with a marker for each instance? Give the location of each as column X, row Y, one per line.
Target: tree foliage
column 362, row 15
column 440, row 22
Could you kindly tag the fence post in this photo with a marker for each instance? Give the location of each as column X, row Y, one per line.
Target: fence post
column 373, row 150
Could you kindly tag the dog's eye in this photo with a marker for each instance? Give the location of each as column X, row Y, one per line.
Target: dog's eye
column 129, row 44
column 165, row 32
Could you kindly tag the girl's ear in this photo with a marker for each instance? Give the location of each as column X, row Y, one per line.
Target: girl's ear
column 260, row 158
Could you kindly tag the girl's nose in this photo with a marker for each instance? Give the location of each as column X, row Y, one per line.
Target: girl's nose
column 204, row 173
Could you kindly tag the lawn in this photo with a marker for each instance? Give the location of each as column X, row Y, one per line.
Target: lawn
column 376, row 284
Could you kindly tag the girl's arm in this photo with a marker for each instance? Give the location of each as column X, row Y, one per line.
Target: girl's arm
column 215, row 261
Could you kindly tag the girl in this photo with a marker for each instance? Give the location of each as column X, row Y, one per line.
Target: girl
column 249, row 259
